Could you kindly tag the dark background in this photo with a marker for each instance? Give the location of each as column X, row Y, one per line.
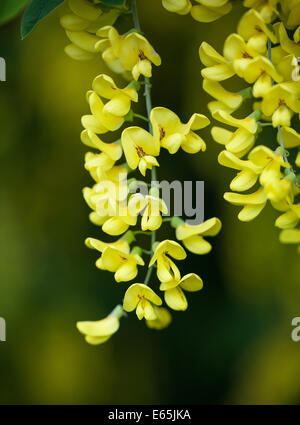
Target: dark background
column 232, row 345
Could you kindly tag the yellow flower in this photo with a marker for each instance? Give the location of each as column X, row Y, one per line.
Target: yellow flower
column 289, row 219
column 141, row 298
column 291, row 140
column 182, row 7
column 137, row 55
column 109, row 44
column 240, row 58
column 98, row 165
column 274, row 187
column 163, row 319
column 124, row 265
column 171, row 133
column 152, row 218
column 286, row 44
column 192, row 236
column 115, row 226
column 210, row 10
column 291, row 12
column 290, row 136
column 252, row 204
column 290, row 236
column 114, row 217
column 81, row 25
column 113, row 151
column 266, row 8
column 120, row 100
column 217, row 67
column 100, row 246
column 100, row 121
column 215, row 89
column 174, row 295
column 248, row 175
column 117, row 258
column 255, row 31
column 242, row 140
column 140, row 149
column 280, row 102
column 100, row 331
column 166, row 268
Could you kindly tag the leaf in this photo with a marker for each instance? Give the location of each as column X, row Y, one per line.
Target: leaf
column 10, row 8
column 35, row 12
column 113, row 2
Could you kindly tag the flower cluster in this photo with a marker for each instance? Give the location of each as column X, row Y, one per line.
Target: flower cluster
column 91, row 32
column 262, row 54
column 113, row 199
column 201, row 11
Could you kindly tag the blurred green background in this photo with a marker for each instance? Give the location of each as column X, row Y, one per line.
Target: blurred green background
column 233, row 345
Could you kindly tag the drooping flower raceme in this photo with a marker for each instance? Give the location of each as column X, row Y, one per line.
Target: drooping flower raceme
column 115, row 205
column 261, row 53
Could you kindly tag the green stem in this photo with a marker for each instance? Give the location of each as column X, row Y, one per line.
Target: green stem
column 278, row 128
column 147, row 95
column 141, row 117
column 118, row 312
column 140, row 232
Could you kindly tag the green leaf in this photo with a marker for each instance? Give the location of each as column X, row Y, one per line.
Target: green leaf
column 10, row 8
column 35, row 12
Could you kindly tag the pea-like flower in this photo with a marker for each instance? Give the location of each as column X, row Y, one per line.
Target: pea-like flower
column 231, row 101
column 290, row 13
column 124, row 265
column 100, row 331
column 166, row 269
column 162, row 320
column 255, row 31
column 192, row 237
column 110, row 213
column 274, row 187
column 218, row 68
column 117, row 258
column 140, row 149
column 141, row 298
column 182, row 7
column 239, row 142
column 281, row 102
column 171, row 133
column 153, row 207
column 173, row 291
column 252, row 203
column 120, row 100
column 266, row 8
column 137, row 55
column 131, row 52
column 100, row 121
column 152, row 218
column 112, row 150
column 81, row 24
column 289, row 219
column 290, row 236
column 101, row 167
column 210, row 10
column 248, row 172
